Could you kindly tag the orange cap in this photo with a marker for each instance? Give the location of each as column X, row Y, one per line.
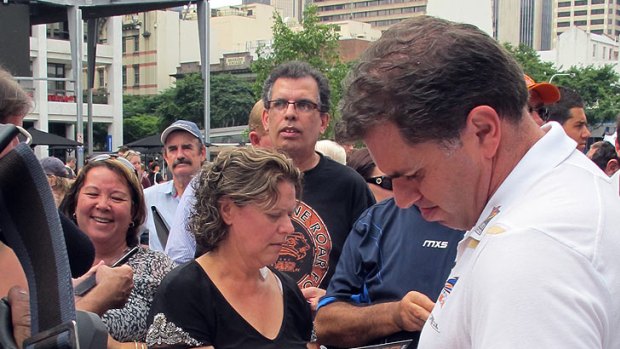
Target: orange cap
column 548, row 93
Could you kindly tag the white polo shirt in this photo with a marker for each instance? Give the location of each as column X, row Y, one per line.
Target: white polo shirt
column 541, row 267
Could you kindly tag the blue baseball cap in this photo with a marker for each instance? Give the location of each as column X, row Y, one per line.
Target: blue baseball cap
column 182, row 125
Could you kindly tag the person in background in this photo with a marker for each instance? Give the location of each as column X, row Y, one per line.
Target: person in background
column 604, row 155
column 540, row 96
column 442, row 108
column 181, row 245
column 136, row 161
column 379, row 184
column 71, row 165
column 57, row 177
column 245, row 199
column 569, row 112
column 297, row 100
column 332, row 150
column 154, row 175
column 107, row 203
column 184, row 151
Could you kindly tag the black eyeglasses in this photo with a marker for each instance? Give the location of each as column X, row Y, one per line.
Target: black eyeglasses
column 302, row 106
column 542, row 111
column 384, row 182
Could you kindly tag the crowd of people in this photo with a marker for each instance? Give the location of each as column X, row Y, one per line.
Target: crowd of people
column 471, row 217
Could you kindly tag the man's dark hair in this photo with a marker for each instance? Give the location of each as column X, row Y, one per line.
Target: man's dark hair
column 603, row 154
column 560, row 110
column 426, row 74
column 298, row 70
column 14, row 101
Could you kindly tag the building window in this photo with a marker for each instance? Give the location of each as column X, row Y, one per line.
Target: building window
column 565, row 4
column 597, row 31
column 124, row 76
column 581, row 3
column 597, row 21
column 136, row 43
column 580, row 22
column 136, row 74
column 101, row 74
column 581, row 13
column 56, row 70
column 563, row 14
column 597, row 11
column 594, row 2
column 124, row 43
column 563, row 24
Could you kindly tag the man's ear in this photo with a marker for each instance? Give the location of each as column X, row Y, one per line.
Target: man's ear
column 612, row 166
column 265, row 120
column 324, row 122
column 254, row 138
column 483, row 126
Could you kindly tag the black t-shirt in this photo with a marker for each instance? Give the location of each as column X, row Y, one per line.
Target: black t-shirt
column 190, row 311
column 333, row 197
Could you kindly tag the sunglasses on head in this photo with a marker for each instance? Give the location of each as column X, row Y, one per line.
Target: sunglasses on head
column 384, row 182
column 543, row 112
column 120, row 159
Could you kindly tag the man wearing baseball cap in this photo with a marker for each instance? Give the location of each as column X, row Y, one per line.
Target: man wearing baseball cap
column 541, row 94
column 184, row 152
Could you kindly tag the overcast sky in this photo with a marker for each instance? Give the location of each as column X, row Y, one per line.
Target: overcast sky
column 220, row 3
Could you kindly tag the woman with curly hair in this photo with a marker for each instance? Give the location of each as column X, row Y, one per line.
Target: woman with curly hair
column 230, row 297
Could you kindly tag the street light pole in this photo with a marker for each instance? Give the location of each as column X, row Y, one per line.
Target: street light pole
column 572, row 75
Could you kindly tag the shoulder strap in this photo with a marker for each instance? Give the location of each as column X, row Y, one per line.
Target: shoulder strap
column 30, row 225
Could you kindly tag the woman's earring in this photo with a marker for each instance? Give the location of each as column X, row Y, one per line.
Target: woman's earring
column 131, row 225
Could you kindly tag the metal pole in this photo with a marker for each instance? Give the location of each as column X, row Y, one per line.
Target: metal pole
column 76, row 38
column 204, row 18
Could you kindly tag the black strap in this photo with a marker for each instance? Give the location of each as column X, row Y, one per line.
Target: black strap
column 31, row 227
column 162, row 228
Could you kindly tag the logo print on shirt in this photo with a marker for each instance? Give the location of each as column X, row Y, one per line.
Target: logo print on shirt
column 494, row 212
column 447, row 289
column 435, row 244
column 305, row 254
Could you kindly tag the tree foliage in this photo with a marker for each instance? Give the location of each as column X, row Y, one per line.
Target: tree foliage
column 599, row 87
column 315, row 43
column 231, row 101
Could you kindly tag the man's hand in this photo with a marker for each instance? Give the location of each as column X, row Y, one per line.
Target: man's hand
column 312, row 296
column 113, row 288
column 20, row 314
column 412, row 311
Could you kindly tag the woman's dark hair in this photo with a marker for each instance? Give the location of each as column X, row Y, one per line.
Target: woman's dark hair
column 360, row 161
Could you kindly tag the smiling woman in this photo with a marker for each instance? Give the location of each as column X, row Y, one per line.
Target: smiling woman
column 106, row 202
column 242, row 217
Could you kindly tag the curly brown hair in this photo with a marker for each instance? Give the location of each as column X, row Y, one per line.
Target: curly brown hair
column 244, row 175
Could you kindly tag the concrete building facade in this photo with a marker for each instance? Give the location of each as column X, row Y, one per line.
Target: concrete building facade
column 527, row 22
column 600, row 17
column 55, row 108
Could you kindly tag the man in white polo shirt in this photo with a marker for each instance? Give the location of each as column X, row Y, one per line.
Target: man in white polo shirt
column 538, row 267
column 184, row 152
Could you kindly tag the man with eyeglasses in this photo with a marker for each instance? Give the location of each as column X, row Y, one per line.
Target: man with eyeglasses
column 297, row 101
column 540, row 95
column 184, row 151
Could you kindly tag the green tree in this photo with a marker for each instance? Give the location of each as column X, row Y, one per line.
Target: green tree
column 599, row 88
column 315, row 43
column 139, row 126
column 530, row 62
column 231, row 101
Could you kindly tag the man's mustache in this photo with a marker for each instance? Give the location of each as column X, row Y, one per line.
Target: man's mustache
column 178, row 162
